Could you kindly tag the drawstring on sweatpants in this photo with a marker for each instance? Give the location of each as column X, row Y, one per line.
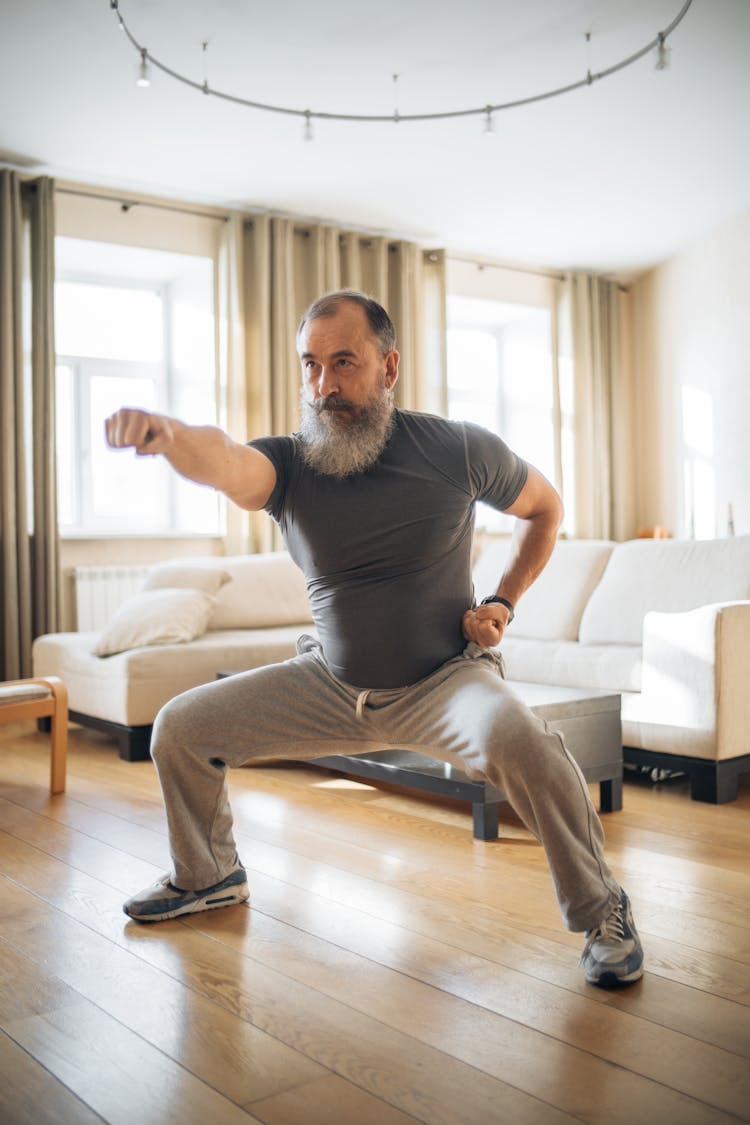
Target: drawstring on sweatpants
column 361, row 701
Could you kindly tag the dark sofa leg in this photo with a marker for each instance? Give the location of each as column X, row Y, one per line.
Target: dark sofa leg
column 135, row 744
column 610, row 794
column 715, row 784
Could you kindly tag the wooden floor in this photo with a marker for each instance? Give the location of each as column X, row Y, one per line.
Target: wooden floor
column 390, row 968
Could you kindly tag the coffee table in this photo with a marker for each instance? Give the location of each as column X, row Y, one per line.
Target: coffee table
column 589, row 721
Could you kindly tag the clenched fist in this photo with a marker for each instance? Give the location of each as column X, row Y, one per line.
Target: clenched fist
column 148, row 434
column 485, row 624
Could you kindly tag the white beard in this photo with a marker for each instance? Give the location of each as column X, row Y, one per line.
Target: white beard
column 339, row 448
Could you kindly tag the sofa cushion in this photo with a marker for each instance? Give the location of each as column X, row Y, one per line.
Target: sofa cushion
column 265, row 590
column 551, row 608
column 208, row 576
column 668, row 575
column 156, row 617
column 570, row 664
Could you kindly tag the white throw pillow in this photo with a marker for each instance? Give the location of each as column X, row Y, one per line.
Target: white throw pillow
column 156, row 617
column 266, row 590
column 187, row 575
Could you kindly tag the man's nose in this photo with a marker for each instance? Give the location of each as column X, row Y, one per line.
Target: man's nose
column 327, row 382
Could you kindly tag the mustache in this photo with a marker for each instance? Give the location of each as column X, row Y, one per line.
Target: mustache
column 332, row 402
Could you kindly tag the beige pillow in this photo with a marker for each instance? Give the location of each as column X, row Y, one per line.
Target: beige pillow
column 191, row 576
column 156, row 617
column 266, row 590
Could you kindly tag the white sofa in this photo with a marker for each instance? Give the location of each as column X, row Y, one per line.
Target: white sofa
column 665, row 623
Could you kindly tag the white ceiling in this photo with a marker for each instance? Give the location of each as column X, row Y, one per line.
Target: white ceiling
column 614, row 177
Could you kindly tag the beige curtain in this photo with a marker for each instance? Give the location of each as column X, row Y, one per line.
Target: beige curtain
column 231, row 346
column 593, row 392
column 29, row 544
column 286, row 264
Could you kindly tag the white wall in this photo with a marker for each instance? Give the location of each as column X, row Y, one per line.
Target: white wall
column 691, row 328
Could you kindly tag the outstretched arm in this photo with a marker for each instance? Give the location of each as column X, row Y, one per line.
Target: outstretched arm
column 204, row 454
column 539, row 510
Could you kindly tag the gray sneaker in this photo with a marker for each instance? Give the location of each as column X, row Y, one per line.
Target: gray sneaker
column 613, row 954
column 163, row 900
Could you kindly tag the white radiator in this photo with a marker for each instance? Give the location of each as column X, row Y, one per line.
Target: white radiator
column 101, row 590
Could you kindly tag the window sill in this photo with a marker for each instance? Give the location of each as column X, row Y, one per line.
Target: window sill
column 88, row 536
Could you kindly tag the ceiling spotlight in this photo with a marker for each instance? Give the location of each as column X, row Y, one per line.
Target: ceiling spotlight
column 662, row 54
column 114, row 6
column 144, row 76
column 206, row 89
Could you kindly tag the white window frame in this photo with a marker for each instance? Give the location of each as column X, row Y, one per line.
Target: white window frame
column 86, row 524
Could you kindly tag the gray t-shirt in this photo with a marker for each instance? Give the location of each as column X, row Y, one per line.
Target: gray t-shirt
column 387, row 553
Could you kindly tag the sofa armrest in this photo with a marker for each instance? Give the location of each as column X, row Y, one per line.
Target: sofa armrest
column 696, row 671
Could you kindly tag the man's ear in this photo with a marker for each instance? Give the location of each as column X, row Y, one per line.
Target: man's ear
column 391, row 368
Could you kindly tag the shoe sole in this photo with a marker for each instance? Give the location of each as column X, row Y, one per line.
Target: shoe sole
column 611, row 980
column 234, row 897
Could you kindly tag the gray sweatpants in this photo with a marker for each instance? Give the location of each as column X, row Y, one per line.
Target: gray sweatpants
column 463, row 714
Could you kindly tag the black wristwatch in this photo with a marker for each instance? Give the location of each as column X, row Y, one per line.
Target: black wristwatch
column 500, row 601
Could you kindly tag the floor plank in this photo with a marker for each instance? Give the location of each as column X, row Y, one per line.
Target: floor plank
column 116, row 1073
column 325, row 1101
column 29, row 1094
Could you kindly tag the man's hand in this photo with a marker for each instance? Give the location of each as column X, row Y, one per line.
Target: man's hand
column 485, row 624
column 148, row 434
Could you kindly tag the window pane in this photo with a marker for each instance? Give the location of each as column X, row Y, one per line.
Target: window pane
column 473, row 374
column 124, row 488
column 500, row 375
column 108, row 321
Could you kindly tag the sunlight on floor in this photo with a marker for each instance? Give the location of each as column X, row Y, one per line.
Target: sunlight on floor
column 339, row 783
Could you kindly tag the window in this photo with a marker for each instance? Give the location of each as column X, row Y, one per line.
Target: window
column 500, row 375
column 134, row 327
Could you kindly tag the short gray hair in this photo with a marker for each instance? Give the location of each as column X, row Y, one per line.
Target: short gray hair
column 378, row 319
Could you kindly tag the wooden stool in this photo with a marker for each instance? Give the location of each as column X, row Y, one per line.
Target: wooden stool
column 41, row 697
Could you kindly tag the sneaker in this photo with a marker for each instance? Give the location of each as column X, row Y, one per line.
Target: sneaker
column 163, row 900
column 613, row 954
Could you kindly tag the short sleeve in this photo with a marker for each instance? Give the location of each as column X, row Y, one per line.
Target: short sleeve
column 280, row 452
column 497, row 474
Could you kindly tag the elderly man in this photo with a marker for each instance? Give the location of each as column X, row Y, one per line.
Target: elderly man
column 376, row 505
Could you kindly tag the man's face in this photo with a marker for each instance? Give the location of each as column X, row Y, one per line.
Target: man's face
column 343, row 369
column 347, row 403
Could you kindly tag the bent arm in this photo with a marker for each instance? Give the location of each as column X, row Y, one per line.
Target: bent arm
column 539, row 513
column 204, row 454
